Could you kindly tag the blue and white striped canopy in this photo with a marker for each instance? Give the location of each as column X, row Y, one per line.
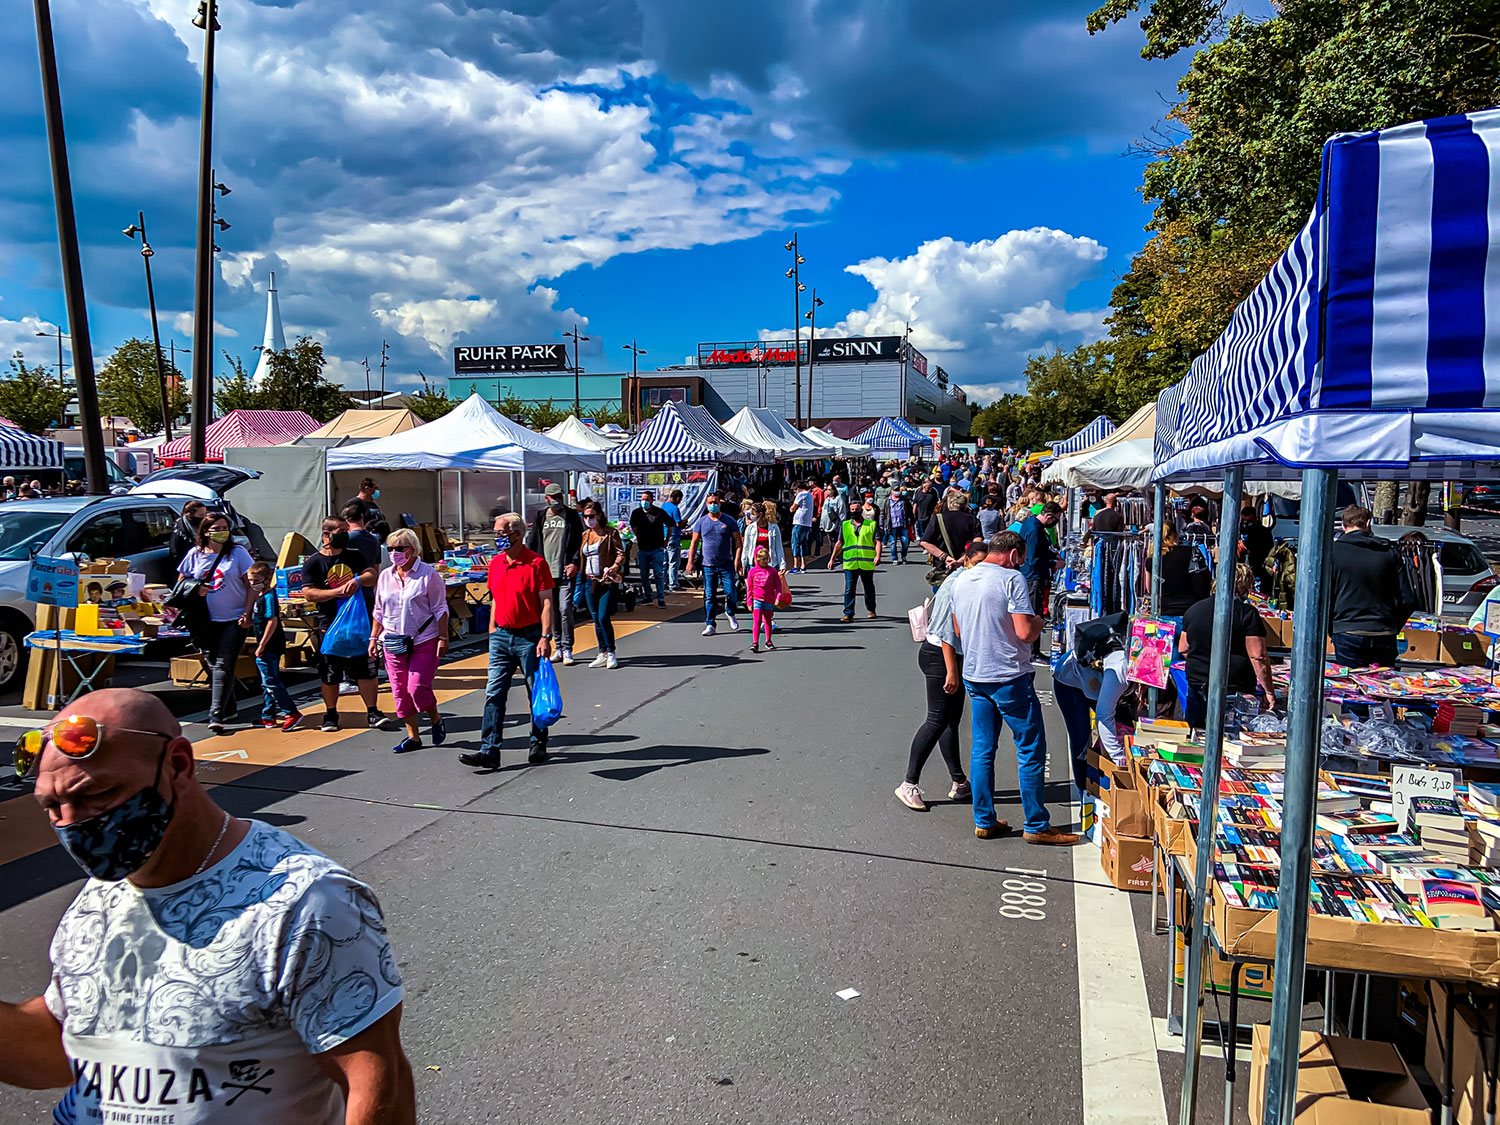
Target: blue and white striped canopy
column 20, row 450
column 916, row 434
column 680, row 434
column 1092, row 434
column 889, row 436
column 1374, row 341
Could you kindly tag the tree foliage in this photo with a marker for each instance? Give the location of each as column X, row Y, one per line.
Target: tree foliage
column 430, row 404
column 32, row 398
column 295, row 381
column 236, row 392
column 130, row 386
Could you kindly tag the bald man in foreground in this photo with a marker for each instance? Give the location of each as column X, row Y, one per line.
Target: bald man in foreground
column 212, row 969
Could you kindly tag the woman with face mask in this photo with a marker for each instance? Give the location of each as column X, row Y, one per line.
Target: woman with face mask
column 410, row 624
column 221, row 566
column 603, row 557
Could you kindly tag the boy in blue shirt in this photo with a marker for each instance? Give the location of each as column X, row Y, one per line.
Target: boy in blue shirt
column 270, row 644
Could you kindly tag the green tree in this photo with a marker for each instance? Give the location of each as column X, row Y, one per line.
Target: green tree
column 130, row 386
column 295, row 381
column 237, row 392
column 31, row 398
column 430, row 404
column 544, row 415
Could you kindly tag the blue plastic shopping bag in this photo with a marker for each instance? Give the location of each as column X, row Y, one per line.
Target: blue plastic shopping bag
column 349, row 635
column 546, row 695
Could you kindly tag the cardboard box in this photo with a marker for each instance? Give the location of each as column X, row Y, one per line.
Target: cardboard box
column 189, row 671
column 1128, row 862
column 288, row 580
column 1174, row 835
column 1470, row 1092
column 1418, row 644
column 1342, row 1082
column 1462, row 647
column 1115, row 787
column 1387, row 949
column 1255, row 980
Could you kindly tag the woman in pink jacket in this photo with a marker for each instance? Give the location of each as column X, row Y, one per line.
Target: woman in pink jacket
column 763, row 589
column 411, row 625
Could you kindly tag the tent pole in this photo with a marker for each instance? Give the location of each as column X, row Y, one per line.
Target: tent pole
column 1208, row 809
column 1299, row 803
column 461, row 539
column 1159, row 507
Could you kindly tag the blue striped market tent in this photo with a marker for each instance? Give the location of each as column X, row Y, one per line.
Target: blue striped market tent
column 889, row 436
column 916, row 434
column 1374, row 341
column 20, row 450
column 1092, row 434
column 680, row 434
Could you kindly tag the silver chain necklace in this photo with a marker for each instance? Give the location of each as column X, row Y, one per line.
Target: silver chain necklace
column 219, row 839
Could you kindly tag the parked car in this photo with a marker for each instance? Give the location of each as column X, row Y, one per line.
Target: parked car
column 1483, row 494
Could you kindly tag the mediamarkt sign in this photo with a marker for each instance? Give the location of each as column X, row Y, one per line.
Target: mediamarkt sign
column 748, row 353
column 510, row 357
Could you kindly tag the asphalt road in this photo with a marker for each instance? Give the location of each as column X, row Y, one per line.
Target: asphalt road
column 653, row 926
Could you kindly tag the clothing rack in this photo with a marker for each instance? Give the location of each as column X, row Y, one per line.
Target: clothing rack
column 1117, row 573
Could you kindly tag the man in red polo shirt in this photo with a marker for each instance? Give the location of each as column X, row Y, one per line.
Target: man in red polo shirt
column 521, row 596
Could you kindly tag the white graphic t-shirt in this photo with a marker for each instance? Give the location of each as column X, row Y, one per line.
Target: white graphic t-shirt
column 205, row 1001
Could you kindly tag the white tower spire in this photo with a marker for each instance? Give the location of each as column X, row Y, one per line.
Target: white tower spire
column 275, row 339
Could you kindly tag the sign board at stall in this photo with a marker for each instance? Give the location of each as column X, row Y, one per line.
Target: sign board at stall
column 1408, row 782
column 53, row 582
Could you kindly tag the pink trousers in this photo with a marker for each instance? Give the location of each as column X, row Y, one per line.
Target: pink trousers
column 760, row 617
column 411, row 679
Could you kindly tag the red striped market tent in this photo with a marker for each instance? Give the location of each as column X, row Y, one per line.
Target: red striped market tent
column 243, row 428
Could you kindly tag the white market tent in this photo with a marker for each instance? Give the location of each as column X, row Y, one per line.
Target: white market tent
column 763, row 428
column 1372, row 345
column 1121, row 459
column 474, row 435
column 570, row 431
column 682, row 435
column 836, row 447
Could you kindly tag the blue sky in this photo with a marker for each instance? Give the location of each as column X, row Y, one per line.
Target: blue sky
column 442, row 172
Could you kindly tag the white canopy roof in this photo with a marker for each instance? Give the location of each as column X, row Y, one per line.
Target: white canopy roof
column 762, row 428
column 570, row 431
column 836, row 447
column 473, row 436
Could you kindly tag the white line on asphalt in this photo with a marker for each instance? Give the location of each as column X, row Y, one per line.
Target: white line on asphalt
column 21, row 721
column 1121, row 1073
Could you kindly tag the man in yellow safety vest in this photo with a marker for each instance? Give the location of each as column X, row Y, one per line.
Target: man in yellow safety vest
column 860, row 549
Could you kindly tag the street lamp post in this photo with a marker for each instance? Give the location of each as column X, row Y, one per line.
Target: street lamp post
column 633, row 410
column 59, row 335
column 797, row 289
column 72, row 270
column 575, row 337
column 203, row 325
column 812, row 336
column 139, row 227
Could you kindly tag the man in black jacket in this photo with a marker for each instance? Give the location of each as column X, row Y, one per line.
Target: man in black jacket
column 556, row 533
column 1367, row 613
column 185, row 530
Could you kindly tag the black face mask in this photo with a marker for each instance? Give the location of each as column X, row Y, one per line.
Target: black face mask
column 338, row 540
column 116, row 843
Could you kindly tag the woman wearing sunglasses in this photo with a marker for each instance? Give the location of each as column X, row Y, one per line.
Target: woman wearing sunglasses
column 282, row 983
column 221, row 565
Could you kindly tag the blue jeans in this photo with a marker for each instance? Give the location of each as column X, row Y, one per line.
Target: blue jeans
column 723, row 578
column 801, row 541
column 896, row 544
column 277, row 698
column 1016, row 703
column 865, row 578
column 1361, row 650
column 1074, row 706
column 674, row 556
column 509, row 649
column 653, row 566
column 601, row 598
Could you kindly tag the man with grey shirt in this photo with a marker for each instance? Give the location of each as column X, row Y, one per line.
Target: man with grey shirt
column 556, row 533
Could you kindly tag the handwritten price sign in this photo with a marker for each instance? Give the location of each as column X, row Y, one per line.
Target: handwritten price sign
column 1408, row 782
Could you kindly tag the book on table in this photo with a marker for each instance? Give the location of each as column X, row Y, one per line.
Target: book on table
column 1454, row 905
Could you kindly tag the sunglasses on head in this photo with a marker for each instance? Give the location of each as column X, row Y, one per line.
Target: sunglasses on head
column 76, row 737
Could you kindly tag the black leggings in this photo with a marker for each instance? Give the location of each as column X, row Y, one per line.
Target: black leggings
column 944, row 713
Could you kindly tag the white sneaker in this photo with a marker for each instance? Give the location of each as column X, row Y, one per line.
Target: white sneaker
column 557, row 655
column 598, row 661
column 911, row 796
column 734, row 624
column 567, row 656
column 709, row 630
column 611, row 661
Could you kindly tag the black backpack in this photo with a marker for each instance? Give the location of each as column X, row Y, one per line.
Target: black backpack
column 1094, row 640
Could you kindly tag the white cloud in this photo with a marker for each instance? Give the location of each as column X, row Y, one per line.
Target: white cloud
column 979, row 309
column 183, row 322
column 21, row 336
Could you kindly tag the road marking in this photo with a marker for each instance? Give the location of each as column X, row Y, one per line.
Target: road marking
column 1166, row 1041
column 1121, row 1073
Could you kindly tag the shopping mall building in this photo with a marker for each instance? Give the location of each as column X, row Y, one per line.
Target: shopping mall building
column 841, row 378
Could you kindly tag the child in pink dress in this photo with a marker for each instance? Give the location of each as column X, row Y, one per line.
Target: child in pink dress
column 763, row 588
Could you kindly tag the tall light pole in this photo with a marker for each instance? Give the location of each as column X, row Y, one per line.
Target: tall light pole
column 633, row 408
column 139, row 227
column 812, row 343
column 575, row 337
column 797, row 289
column 72, row 270
column 203, row 283
column 59, row 335
column 385, row 357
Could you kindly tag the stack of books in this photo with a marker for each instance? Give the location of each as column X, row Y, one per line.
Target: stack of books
column 1438, row 823
column 1455, row 905
column 1362, row 821
column 1256, row 751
